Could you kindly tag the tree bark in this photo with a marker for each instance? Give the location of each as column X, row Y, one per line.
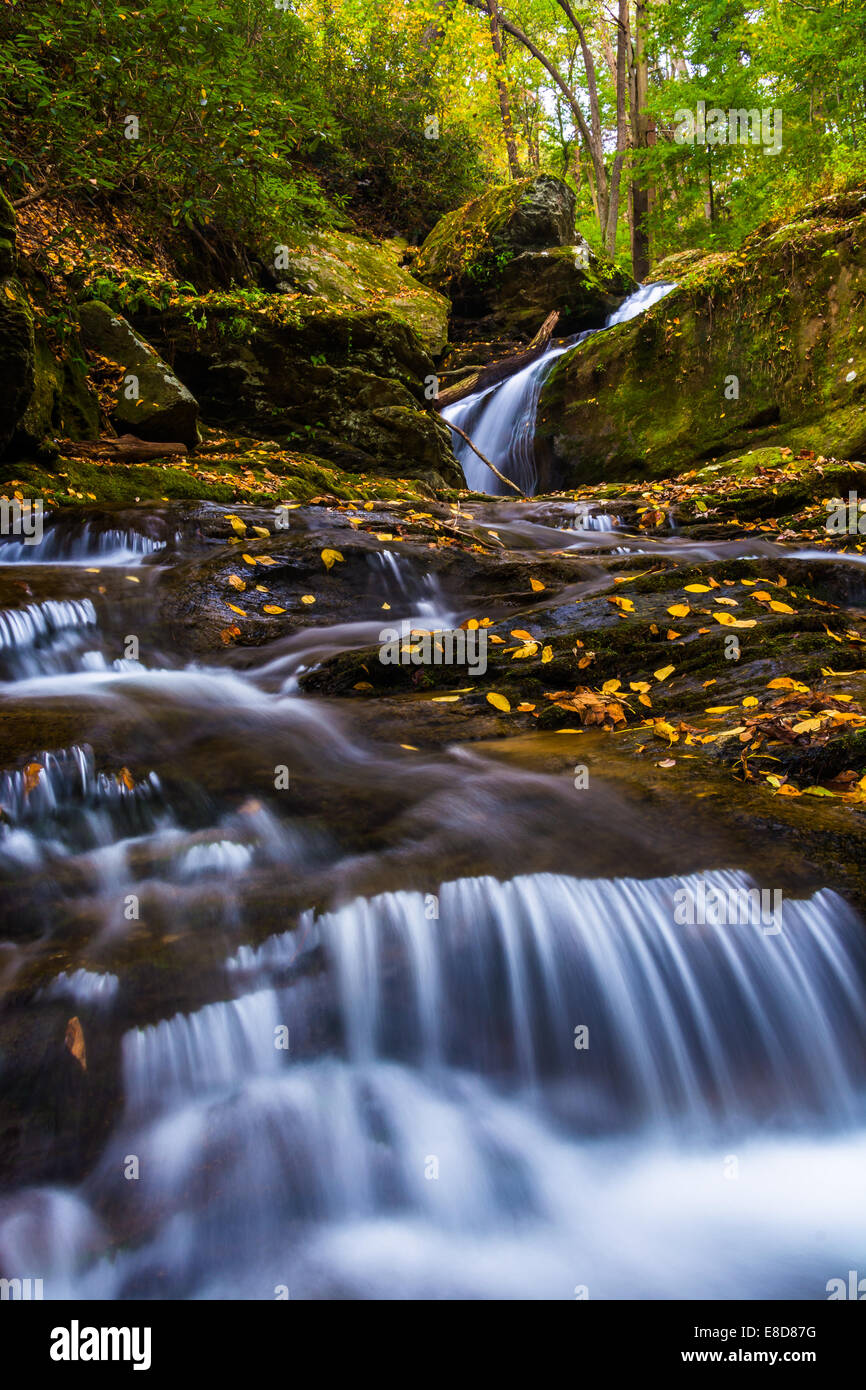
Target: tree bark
column 642, row 138
column 125, row 449
column 502, row 86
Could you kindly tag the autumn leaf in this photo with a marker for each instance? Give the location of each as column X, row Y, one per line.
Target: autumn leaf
column 663, row 672
column 126, row 779
column 696, row 589
column 521, row 634
column 236, row 583
column 74, row 1041
column 499, row 702
column 32, row 773
column 529, row 650
column 546, row 655
column 536, row 585
column 308, row 598
column 273, row 608
column 679, row 610
column 781, row 607
column 235, row 609
column 330, row 558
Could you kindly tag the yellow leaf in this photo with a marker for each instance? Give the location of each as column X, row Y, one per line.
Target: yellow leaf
column 308, row 598
column 249, row 559
column 236, row 583
column 546, row 655
column 610, row 686
column 536, row 585
column 679, row 610
column 444, row 699
column 785, row 683
column 529, row 650
column 719, row 709
column 639, row 685
column 330, row 558
column 663, row 672
column 781, row 607
column 261, row 530
column 645, row 700
column 697, row 589
column 499, row 702
column 750, row 701
column 273, row 608
column 236, row 610
column 807, row 726
column 522, row 634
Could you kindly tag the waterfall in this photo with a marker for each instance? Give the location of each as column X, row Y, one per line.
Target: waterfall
column 500, row 420
column 61, row 544
column 529, row 1086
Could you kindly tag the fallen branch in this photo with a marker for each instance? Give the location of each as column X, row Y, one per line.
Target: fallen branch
column 501, row 476
column 126, row 449
column 498, row 371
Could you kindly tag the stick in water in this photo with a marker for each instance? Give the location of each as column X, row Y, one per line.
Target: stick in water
column 501, row 476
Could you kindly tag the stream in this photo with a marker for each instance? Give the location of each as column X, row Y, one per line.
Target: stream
column 394, row 1022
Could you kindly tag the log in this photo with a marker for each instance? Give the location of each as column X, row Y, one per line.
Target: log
column 501, row 476
column 498, row 371
column 125, row 449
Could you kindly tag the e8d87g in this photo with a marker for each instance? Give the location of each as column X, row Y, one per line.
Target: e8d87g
column 771, row 1332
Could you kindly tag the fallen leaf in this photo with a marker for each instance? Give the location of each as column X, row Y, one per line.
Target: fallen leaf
column 663, row 672
column 330, row 558
column 499, row 702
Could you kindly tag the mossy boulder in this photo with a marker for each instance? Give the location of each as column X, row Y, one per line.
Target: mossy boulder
column 756, row 347
column 350, row 385
column 62, row 403
column 17, row 351
column 512, row 255
column 151, row 402
column 346, row 270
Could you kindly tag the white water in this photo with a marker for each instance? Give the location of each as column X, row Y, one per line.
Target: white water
column 500, row 420
column 431, row 1130
column 452, row 1142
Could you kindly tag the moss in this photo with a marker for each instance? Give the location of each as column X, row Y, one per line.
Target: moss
column 17, row 353
column 753, row 348
column 243, row 478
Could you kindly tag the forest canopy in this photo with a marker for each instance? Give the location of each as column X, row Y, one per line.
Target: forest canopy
column 270, row 115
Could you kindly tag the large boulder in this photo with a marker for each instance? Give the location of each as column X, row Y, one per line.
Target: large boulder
column 346, row 270
column 761, row 346
column 156, row 405
column 62, row 403
column 512, row 255
column 352, row 386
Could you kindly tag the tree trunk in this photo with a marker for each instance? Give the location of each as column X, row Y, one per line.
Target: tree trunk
column 640, row 186
column 498, row 371
column 502, row 86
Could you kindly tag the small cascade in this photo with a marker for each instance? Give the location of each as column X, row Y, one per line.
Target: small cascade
column 493, row 1115
column 500, row 420
column 61, row 544
column 408, row 593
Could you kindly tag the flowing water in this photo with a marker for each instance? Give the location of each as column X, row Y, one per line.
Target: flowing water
column 500, row 420
column 419, row 1025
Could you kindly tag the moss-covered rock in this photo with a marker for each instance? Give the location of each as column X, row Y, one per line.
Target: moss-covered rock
column 16, row 358
column 7, row 237
column 512, row 256
column 346, row 270
column 758, row 346
column 156, row 405
column 349, row 385
column 62, row 403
